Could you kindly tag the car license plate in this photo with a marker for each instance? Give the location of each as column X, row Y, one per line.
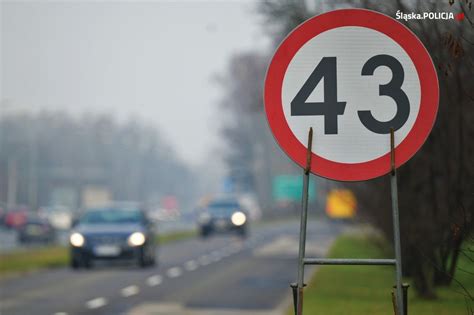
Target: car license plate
column 221, row 224
column 33, row 230
column 106, row 250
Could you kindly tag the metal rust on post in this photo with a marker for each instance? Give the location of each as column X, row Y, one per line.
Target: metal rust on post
column 308, row 154
column 405, row 287
column 299, row 310
column 295, row 291
column 394, row 303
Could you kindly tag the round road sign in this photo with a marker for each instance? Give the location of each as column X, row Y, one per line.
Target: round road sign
column 352, row 75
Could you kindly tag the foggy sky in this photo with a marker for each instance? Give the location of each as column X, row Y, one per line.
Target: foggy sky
column 152, row 60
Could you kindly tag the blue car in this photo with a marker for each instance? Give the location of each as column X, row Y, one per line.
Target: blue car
column 112, row 233
column 223, row 216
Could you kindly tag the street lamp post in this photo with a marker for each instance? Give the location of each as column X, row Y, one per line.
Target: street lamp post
column 12, row 162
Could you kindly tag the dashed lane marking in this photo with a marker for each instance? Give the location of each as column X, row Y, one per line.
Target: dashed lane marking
column 226, row 252
column 174, row 272
column 96, row 303
column 130, row 290
column 191, row 265
column 153, row 281
column 204, row 260
column 216, row 256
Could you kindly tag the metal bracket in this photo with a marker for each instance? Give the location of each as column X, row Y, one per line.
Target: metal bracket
column 348, row 261
column 401, row 299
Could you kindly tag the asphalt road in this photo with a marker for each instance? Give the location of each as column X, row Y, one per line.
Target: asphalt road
column 220, row 275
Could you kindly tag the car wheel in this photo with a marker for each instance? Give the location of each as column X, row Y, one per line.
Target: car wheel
column 142, row 260
column 74, row 264
column 87, row 263
column 204, row 232
column 152, row 262
column 21, row 239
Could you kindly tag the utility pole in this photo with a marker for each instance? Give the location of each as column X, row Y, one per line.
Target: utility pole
column 12, row 180
column 4, row 171
column 33, row 168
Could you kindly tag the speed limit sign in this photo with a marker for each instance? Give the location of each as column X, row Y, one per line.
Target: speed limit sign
column 351, row 75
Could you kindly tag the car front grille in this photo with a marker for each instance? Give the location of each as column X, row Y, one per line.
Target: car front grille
column 106, row 239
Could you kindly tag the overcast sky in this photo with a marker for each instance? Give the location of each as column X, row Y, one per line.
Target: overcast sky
column 153, row 60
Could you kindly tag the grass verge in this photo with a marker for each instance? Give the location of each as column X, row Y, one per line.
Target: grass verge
column 357, row 290
column 25, row 260
column 175, row 236
column 35, row 258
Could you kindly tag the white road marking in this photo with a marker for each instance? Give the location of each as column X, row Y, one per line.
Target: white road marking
column 174, row 272
column 191, row 265
column 216, row 256
column 129, row 291
column 204, row 260
column 60, row 313
column 153, row 281
column 96, row 303
column 226, row 253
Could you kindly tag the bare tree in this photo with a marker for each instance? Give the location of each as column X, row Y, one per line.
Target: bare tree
column 131, row 159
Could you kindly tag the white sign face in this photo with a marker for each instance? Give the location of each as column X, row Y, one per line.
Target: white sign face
column 357, row 91
column 352, row 76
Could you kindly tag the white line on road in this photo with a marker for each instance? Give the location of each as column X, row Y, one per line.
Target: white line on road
column 204, row 260
column 129, row 291
column 191, row 265
column 216, row 256
column 174, row 272
column 225, row 254
column 153, row 281
column 96, row 303
column 60, row 313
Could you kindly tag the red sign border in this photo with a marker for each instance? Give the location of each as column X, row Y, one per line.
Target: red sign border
column 340, row 18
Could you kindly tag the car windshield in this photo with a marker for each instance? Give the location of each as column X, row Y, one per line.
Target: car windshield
column 35, row 222
column 111, row 216
column 223, row 208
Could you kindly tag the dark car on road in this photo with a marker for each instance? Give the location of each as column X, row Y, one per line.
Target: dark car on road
column 221, row 216
column 113, row 233
column 36, row 230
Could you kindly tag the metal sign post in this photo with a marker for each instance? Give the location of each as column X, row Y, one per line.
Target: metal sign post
column 304, row 220
column 396, row 224
column 397, row 262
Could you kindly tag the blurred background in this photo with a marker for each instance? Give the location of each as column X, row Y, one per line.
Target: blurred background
column 159, row 103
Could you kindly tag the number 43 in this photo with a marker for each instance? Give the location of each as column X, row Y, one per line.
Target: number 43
column 331, row 107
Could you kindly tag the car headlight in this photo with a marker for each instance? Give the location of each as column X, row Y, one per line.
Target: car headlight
column 76, row 239
column 238, row 218
column 136, row 239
